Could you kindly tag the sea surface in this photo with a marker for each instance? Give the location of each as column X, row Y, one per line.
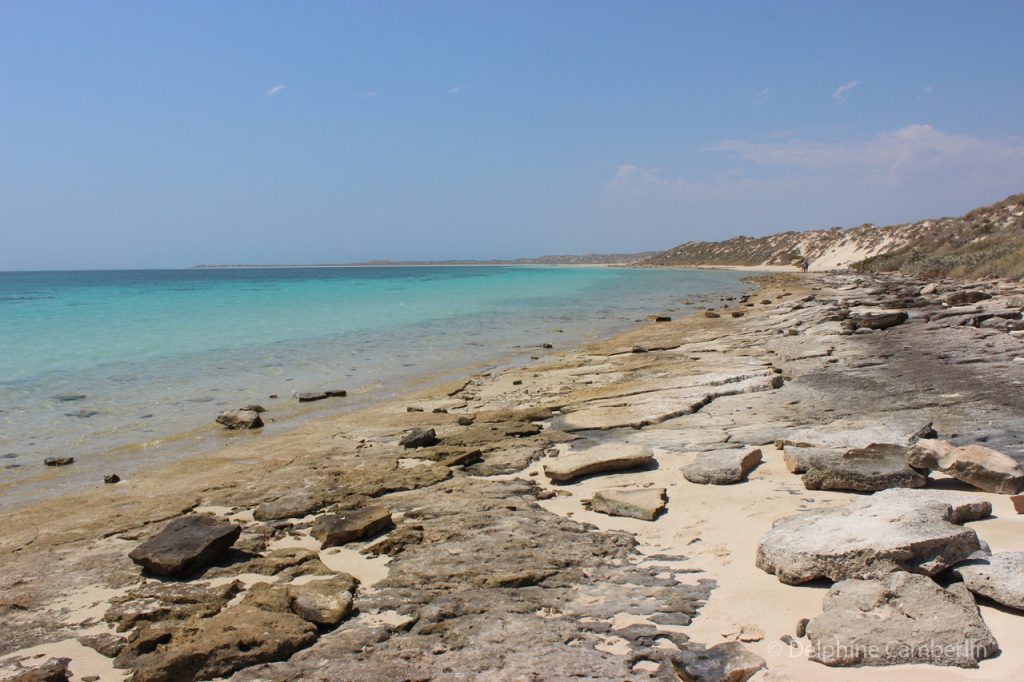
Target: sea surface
column 151, row 356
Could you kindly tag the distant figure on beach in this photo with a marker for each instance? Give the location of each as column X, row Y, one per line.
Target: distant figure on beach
column 804, row 264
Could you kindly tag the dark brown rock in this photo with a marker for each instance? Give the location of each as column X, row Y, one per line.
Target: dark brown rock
column 333, row 530
column 419, row 438
column 185, row 545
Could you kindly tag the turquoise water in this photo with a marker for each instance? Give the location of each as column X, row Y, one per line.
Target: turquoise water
column 159, row 353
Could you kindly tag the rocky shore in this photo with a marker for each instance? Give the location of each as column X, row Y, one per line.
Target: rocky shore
column 795, row 485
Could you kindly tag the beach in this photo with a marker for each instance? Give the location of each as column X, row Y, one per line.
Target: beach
column 495, row 562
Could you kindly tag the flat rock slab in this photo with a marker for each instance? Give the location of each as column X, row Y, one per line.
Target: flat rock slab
column 598, row 459
column 876, row 467
column 798, row 460
column 1000, row 578
column 964, row 507
column 209, row 648
column 977, row 465
column 722, row 467
column 333, row 530
column 899, row 619
column 870, row 537
column 289, row 507
column 727, row 662
column 185, row 545
column 637, row 503
column 419, row 438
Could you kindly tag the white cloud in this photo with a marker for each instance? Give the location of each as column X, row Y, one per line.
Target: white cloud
column 275, row 89
column 763, row 96
column 369, row 94
column 840, row 94
column 785, row 183
column 454, row 90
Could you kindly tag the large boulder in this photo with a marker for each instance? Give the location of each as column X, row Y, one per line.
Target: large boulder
column 722, row 467
column 977, row 465
column 185, row 545
column 1000, row 577
column 240, row 419
column 638, row 503
column 333, row 530
column 876, row 467
column 726, row 662
column 598, row 459
column 901, row 618
column 893, row 530
column 208, row 648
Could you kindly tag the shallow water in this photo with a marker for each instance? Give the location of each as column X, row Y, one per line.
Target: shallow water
column 159, row 352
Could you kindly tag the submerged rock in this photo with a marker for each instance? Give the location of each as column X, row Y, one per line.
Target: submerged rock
column 598, row 459
column 58, row 461
column 240, row 419
column 980, row 466
column 638, row 503
column 185, row 545
column 893, row 530
column 899, row 619
column 333, row 530
column 722, row 467
column 1000, row 578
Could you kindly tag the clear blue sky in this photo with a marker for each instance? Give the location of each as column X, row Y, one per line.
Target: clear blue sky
column 164, row 134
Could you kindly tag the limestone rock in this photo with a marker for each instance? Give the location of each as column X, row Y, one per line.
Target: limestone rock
column 240, row 419
column 980, row 466
column 338, row 529
column 870, row 537
column 879, row 320
column 288, row 507
column 798, row 460
column 322, row 602
column 964, row 506
column 185, row 545
column 727, row 662
column 53, row 670
column 237, row 638
column 898, row 619
column 876, row 467
column 636, row 503
column 598, row 459
column 1000, row 578
column 722, row 467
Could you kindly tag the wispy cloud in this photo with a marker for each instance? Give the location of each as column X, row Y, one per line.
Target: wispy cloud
column 763, row 96
column 840, row 94
column 275, row 89
column 454, row 90
column 913, row 169
column 369, row 94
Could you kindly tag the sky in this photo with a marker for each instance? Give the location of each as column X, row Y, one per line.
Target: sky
column 167, row 134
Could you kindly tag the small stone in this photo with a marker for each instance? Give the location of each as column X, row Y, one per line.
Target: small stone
column 111, row 479
column 517, row 382
column 465, row 420
column 644, row 504
column 638, row 349
column 240, row 419
column 58, row 461
column 310, row 396
column 414, row 408
column 711, row 313
column 546, row 345
column 419, row 438
column 336, row 393
column 801, row 627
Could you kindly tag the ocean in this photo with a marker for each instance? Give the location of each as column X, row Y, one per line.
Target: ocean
column 151, row 356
